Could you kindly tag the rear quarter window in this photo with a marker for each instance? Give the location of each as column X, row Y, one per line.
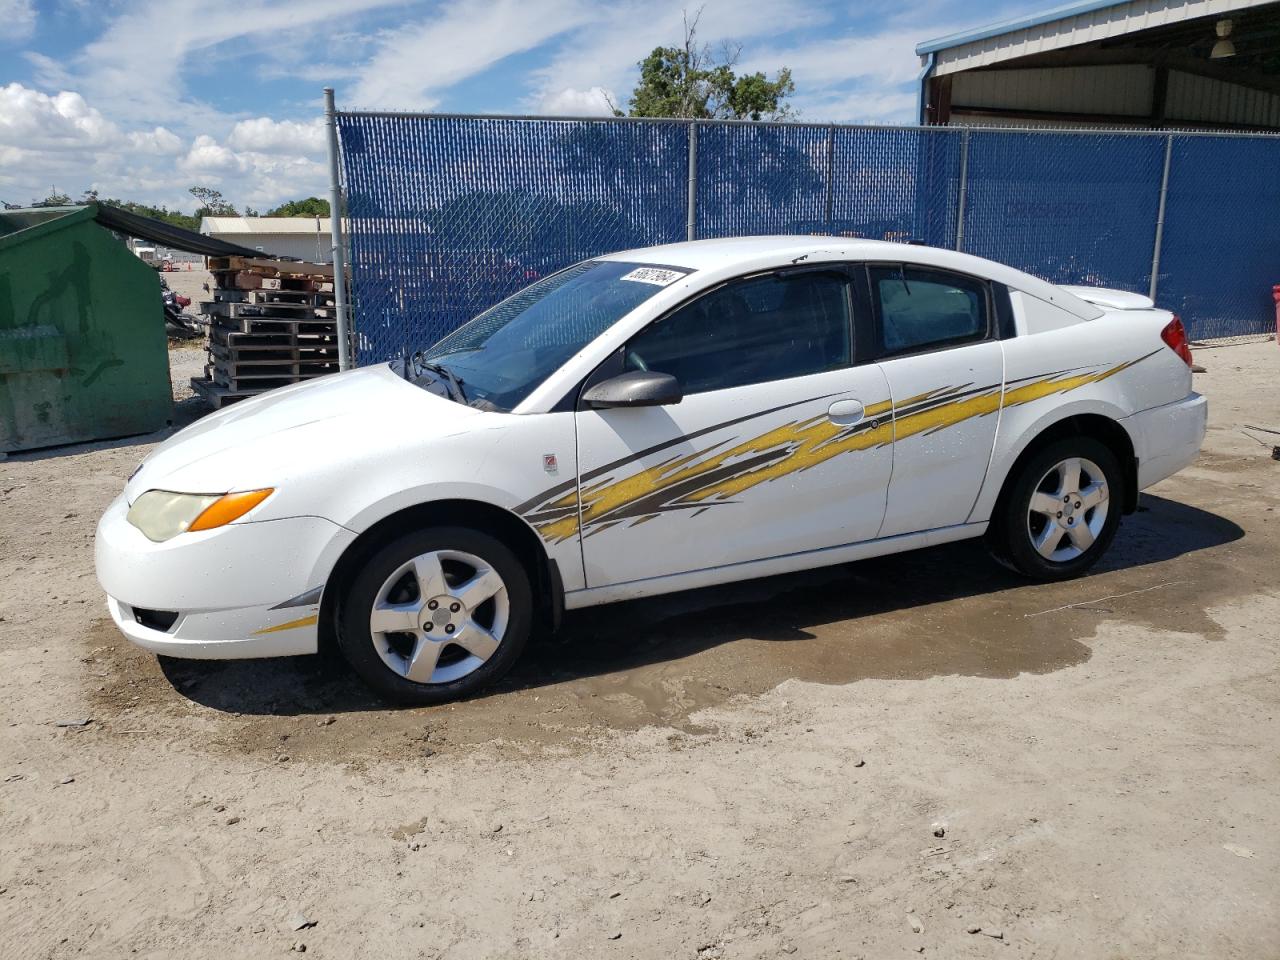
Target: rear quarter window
column 920, row 309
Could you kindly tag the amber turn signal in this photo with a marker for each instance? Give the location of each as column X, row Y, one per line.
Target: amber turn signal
column 233, row 506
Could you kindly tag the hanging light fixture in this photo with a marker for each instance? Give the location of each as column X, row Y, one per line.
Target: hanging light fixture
column 1224, row 47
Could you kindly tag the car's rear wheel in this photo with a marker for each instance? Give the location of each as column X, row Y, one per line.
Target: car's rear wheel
column 1062, row 511
column 436, row 614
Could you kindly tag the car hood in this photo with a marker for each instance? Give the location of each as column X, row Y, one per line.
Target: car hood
column 286, row 430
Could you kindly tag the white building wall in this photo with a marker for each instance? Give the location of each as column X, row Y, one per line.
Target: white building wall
column 317, row 248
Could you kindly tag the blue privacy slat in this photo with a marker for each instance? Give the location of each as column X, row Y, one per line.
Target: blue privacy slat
column 449, row 215
column 1069, row 207
column 1221, row 249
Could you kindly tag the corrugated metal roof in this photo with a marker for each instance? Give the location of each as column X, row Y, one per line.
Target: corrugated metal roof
column 262, row 225
column 1017, row 23
column 1066, row 26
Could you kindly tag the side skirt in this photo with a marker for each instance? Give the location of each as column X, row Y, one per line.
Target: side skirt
column 750, row 569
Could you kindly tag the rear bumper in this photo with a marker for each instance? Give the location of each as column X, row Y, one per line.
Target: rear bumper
column 1167, row 438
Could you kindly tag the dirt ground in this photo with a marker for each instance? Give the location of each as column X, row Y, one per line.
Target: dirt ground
column 745, row 772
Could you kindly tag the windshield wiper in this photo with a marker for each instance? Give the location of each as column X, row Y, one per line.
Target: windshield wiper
column 453, row 382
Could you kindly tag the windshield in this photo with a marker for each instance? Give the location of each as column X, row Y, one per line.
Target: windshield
column 507, row 351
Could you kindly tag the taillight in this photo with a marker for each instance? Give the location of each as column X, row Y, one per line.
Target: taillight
column 1175, row 335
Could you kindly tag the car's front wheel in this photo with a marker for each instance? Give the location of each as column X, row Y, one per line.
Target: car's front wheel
column 436, row 614
column 1061, row 512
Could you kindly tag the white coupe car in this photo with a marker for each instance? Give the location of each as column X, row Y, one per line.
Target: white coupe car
column 647, row 422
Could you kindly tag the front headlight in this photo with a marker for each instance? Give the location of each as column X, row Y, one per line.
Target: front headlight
column 161, row 514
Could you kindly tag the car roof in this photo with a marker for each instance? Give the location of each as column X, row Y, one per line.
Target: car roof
column 728, row 251
column 723, row 255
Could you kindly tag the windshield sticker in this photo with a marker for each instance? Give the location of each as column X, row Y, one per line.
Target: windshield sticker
column 655, row 275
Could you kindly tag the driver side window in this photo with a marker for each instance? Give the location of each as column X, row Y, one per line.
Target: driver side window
column 766, row 328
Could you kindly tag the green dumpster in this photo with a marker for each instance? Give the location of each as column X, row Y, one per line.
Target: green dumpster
column 83, row 352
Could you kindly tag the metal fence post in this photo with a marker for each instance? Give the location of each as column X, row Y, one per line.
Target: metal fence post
column 335, row 233
column 831, row 176
column 1164, row 195
column 691, row 226
column 964, row 188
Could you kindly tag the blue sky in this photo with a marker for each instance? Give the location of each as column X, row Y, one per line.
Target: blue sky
column 142, row 99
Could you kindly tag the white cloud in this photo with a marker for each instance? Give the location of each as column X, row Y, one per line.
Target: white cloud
column 165, row 38
column 142, row 135
column 888, row 58
column 251, row 177
column 29, row 118
column 273, row 179
column 604, row 53
column 862, row 106
column 158, row 141
column 265, row 135
column 416, row 61
column 17, row 20
column 91, row 118
column 207, row 156
column 48, row 72
column 578, row 103
column 852, row 78
column 63, row 140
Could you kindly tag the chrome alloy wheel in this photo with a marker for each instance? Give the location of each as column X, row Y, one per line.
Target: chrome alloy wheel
column 439, row 616
column 1068, row 509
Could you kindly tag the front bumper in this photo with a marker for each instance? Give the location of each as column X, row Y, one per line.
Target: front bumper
column 1167, row 438
column 229, row 587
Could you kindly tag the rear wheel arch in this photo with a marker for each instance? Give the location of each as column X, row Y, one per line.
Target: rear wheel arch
column 544, row 576
column 1097, row 426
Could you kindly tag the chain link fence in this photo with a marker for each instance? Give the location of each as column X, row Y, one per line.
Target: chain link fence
column 448, row 214
column 1068, row 207
column 1220, row 252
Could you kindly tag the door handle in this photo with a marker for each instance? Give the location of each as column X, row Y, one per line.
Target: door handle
column 846, row 412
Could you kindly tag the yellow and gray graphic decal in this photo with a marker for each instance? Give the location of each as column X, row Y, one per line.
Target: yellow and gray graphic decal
column 720, row 472
column 309, row 599
column 308, row 621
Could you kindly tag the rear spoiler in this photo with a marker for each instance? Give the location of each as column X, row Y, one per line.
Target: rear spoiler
column 1111, row 299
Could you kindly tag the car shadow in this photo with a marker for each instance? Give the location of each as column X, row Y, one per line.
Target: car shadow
column 940, row 603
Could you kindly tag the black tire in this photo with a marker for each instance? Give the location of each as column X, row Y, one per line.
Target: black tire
column 355, row 636
column 1010, row 535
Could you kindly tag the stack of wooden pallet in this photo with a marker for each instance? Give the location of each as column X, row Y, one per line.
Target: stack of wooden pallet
column 271, row 323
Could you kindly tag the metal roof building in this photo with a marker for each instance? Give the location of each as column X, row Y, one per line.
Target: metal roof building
column 1212, row 64
column 303, row 238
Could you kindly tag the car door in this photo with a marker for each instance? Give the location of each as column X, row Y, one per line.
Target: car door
column 936, row 338
column 780, row 444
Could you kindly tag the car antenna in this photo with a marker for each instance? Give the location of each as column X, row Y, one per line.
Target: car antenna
column 803, row 256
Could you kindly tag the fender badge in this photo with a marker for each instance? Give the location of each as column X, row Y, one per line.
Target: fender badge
column 549, row 463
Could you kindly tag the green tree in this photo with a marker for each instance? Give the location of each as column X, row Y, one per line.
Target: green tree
column 211, row 203
column 310, row 207
column 690, row 81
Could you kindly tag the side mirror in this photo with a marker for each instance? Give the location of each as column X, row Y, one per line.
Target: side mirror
column 635, row 388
